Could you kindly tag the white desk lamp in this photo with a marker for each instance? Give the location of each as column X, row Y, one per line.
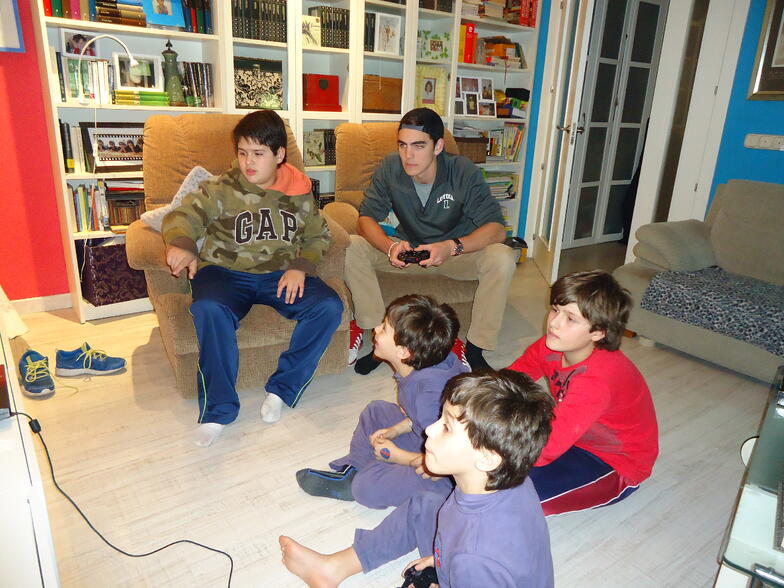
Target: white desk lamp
column 131, row 59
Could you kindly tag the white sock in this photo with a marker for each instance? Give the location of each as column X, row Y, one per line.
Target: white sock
column 270, row 409
column 207, row 433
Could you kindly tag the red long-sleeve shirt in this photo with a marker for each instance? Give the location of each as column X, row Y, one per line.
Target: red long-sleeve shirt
column 603, row 406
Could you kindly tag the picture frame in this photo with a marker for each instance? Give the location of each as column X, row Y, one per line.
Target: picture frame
column 72, row 41
column 167, row 13
column 432, row 88
column 147, row 76
column 486, row 89
column 469, row 85
column 767, row 79
column 388, row 31
column 459, row 107
column 113, row 146
column 486, row 108
column 11, row 38
column 434, row 45
column 429, row 90
column 471, row 103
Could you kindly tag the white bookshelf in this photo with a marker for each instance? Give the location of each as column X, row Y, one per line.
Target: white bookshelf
column 220, row 48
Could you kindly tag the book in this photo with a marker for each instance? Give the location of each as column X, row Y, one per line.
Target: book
column 311, row 31
column 313, row 154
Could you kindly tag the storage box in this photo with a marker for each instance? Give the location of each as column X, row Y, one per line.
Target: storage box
column 106, row 276
column 474, row 148
column 381, row 94
column 321, row 92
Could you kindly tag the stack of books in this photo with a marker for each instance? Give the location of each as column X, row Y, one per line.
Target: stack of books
column 125, row 199
column 124, row 12
column 261, row 19
column 334, row 25
column 140, row 98
column 503, row 185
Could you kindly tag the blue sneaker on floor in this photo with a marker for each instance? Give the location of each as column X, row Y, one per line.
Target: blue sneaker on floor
column 36, row 379
column 87, row 361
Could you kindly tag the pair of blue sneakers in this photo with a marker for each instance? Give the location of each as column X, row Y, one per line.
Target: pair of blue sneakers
column 37, row 380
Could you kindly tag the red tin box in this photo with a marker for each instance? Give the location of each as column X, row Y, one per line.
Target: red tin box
column 321, row 92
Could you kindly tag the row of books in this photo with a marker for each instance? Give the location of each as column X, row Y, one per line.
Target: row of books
column 441, row 5
column 503, row 143
column 100, row 84
column 522, row 12
column 107, row 205
column 503, row 185
column 191, row 15
column 334, row 25
column 319, row 147
column 259, row 19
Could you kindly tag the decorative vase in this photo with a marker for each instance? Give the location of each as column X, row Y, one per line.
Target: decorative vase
column 171, row 76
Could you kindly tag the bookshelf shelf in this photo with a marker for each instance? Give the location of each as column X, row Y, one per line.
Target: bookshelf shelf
column 499, row 25
column 319, row 168
column 374, row 55
column 117, row 29
column 334, row 50
column 429, row 12
column 102, row 176
column 381, row 117
column 493, row 68
column 434, row 62
column 93, row 235
column 258, row 43
column 325, row 115
column 382, row 4
column 175, row 109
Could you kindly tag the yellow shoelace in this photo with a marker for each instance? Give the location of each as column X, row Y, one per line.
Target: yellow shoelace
column 88, row 355
column 36, row 369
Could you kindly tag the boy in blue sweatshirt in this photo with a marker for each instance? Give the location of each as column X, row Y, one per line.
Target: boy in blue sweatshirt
column 380, row 469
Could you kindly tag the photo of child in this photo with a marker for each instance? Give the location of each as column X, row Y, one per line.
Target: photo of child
column 429, row 91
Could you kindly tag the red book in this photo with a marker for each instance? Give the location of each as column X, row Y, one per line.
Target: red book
column 47, row 7
column 534, row 4
column 470, row 42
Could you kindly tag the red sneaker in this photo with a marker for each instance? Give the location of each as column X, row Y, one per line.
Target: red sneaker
column 459, row 350
column 354, row 342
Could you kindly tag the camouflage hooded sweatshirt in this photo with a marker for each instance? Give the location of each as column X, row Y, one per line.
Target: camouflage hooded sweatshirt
column 251, row 229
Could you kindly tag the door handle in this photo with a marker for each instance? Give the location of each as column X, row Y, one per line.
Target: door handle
column 564, row 129
column 580, row 129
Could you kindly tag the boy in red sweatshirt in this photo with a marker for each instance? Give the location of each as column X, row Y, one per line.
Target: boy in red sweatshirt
column 604, row 440
column 263, row 236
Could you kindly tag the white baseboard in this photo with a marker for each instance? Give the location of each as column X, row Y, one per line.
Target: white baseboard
column 42, row 304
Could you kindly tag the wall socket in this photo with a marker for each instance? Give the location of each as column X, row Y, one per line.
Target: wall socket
column 772, row 142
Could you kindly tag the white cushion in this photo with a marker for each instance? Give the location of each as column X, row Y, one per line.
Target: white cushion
column 196, row 176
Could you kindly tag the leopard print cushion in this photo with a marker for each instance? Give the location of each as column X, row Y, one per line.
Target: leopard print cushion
column 737, row 306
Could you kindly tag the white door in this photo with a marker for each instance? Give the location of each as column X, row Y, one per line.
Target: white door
column 567, row 49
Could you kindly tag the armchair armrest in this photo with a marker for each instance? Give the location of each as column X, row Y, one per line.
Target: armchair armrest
column 144, row 247
column 334, row 260
column 676, row 246
column 343, row 214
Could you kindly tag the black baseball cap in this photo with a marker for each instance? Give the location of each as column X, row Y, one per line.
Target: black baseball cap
column 425, row 120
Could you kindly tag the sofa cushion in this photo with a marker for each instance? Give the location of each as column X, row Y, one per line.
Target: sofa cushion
column 738, row 306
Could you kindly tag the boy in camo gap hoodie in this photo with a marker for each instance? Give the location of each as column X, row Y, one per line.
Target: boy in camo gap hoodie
column 263, row 236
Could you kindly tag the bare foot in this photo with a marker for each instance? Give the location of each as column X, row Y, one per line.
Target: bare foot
column 316, row 569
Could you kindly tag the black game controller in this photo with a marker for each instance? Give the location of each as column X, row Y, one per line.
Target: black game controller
column 412, row 256
column 420, row 578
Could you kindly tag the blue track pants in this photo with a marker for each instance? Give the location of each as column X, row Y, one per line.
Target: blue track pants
column 221, row 298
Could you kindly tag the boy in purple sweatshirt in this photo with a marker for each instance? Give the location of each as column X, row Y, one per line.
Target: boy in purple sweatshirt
column 385, row 453
column 491, row 530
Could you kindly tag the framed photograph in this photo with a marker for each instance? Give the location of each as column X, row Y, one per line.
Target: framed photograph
column 486, row 86
column 429, row 91
column 164, row 13
column 388, row 27
column 469, row 84
column 11, row 38
column 112, row 147
column 433, row 45
column 459, row 107
column 146, row 76
column 487, row 108
column 471, row 103
column 72, row 42
column 767, row 78
column 432, row 88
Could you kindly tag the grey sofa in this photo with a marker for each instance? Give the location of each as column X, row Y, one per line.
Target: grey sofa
column 742, row 235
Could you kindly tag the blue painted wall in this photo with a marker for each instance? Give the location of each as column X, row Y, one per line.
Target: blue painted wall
column 749, row 116
column 533, row 115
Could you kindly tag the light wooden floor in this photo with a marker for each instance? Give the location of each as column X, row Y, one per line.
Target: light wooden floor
column 121, row 447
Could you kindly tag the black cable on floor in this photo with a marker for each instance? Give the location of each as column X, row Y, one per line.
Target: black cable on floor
column 35, row 427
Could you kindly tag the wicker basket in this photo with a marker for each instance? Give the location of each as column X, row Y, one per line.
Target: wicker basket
column 474, row 148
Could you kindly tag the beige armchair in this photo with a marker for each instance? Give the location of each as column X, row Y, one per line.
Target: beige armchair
column 359, row 150
column 172, row 147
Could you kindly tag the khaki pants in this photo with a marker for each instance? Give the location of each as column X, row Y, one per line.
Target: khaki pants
column 493, row 266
